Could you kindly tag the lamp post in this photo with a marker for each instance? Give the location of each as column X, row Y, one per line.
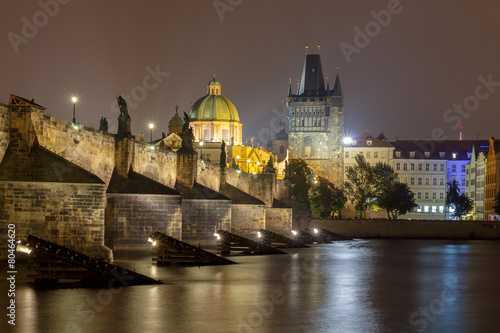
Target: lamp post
column 74, row 99
column 151, row 126
column 248, row 165
column 201, row 146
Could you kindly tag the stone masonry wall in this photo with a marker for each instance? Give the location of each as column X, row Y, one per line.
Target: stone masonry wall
column 131, row 218
column 68, row 214
column 159, row 164
column 4, row 129
column 247, row 220
column 262, row 187
column 209, row 175
column 201, row 218
column 411, row 229
column 238, row 179
column 279, row 220
column 89, row 148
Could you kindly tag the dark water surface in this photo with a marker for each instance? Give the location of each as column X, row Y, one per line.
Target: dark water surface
column 353, row 286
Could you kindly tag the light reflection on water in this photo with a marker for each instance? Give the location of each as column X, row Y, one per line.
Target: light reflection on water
column 353, row 286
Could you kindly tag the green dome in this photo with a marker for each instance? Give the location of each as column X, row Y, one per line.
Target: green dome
column 214, row 82
column 213, row 107
column 176, row 121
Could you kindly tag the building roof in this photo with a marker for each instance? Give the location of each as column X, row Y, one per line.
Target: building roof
column 176, row 120
column 312, row 75
column 42, row 165
column 213, row 107
column 136, row 183
column 366, row 139
column 237, row 196
column 440, row 150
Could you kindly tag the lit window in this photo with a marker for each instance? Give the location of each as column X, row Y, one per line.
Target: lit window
column 434, row 209
column 454, row 155
column 225, row 134
column 419, row 209
column 426, row 209
column 441, row 209
column 206, row 134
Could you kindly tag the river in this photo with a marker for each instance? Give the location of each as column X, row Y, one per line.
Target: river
column 349, row 286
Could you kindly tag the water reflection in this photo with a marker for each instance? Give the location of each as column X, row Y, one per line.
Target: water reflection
column 354, row 286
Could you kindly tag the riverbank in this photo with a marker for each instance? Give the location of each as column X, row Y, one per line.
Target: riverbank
column 411, row 229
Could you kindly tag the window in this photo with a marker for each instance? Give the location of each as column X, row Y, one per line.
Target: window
column 419, row 195
column 463, row 181
column 441, row 181
column 441, row 196
column 441, row 209
column 426, row 195
column 463, row 168
column 454, row 155
column 383, row 154
column 427, row 166
column 412, row 180
column 398, row 166
column 453, row 168
column 398, row 154
column 441, row 167
column 412, row 166
column 441, row 154
column 346, row 154
column 434, row 195
column 412, row 154
column 434, row 209
column 419, row 209
column 405, row 166
column 368, row 154
column 375, row 154
column 426, row 209
column 419, row 166
column 427, row 181
column 346, row 168
column 434, row 167
column 206, row 134
column 427, row 154
column 405, row 180
column 225, row 134
column 419, row 181
column 434, row 181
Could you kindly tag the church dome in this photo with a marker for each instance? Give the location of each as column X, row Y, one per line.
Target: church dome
column 176, row 121
column 213, row 106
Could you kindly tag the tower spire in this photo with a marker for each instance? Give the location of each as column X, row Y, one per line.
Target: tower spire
column 290, row 86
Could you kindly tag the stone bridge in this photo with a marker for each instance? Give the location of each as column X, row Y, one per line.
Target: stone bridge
column 82, row 187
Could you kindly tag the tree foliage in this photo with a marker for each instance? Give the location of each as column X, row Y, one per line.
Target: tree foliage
column 459, row 202
column 299, row 178
column 326, row 199
column 359, row 186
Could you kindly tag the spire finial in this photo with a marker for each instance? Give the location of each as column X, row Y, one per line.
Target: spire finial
column 307, row 45
column 338, row 67
column 319, row 45
column 298, row 83
column 176, row 109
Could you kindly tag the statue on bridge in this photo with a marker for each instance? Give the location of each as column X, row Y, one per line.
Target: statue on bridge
column 123, row 107
column 103, row 126
column 223, row 155
column 187, row 136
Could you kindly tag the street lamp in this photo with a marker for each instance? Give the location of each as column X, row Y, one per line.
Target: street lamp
column 151, row 126
column 74, row 99
column 201, row 146
column 248, row 165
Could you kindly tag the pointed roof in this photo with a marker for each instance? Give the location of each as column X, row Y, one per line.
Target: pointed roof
column 289, row 87
column 312, row 75
column 17, row 100
column 337, row 89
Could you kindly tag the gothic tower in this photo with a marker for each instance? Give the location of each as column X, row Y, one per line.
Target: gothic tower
column 316, row 122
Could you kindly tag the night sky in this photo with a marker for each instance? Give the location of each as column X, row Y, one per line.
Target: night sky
column 428, row 58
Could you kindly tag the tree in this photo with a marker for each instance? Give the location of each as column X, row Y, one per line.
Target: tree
column 299, row 178
column 326, row 199
column 497, row 204
column 390, row 194
column 359, row 185
column 459, row 202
